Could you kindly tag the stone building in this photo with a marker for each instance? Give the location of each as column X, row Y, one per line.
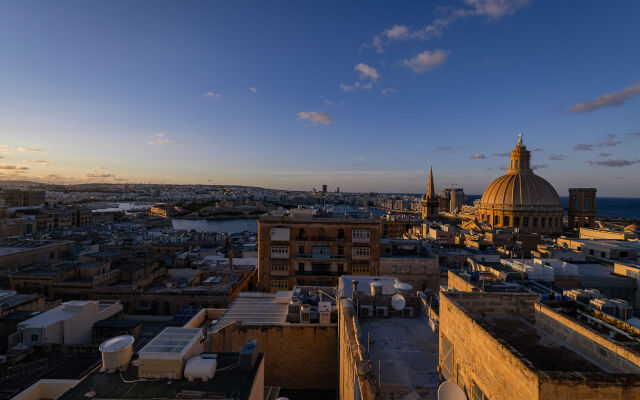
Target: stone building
column 509, row 346
column 410, row 261
column 582, row 208
column 521, row 199
column 315, row 251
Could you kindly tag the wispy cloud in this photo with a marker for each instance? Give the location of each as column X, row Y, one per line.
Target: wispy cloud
column 360, row 162
column 160, row 140
column 611, row 141
column 492, row 10
column 583, row 146
column 500, row 154
column 99, row 175
column 445, row 148
column 27, row 150
column 253, row 90
column 619, row 163
column 614, row 99
column 539, row 166
column 367, row 75
column 478, row 156
column 426, row 61
column 388, row 91
column 37, row 161
column 605, row 154
column 13, row 167
column 538, row 149
column 556, row 157
column 212, row 94
column 315, row 118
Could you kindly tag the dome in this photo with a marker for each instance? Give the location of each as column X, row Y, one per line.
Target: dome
column 522, row 189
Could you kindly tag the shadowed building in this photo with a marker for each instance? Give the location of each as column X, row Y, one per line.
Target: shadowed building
column 582, row 207
column 521, row 199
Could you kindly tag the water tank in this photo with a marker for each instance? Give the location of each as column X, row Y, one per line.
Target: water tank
column 248, row 355
column 376, row 288
column 403, row 289
column 200, row 368
column 116, row 353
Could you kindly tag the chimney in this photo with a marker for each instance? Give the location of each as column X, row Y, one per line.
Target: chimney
column 354, row 292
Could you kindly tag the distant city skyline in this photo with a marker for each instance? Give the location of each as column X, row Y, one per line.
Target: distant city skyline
column 359, row 95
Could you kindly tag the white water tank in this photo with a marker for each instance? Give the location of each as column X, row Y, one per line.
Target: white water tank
column 403, row 289
column 199, row 367
column 116, row 353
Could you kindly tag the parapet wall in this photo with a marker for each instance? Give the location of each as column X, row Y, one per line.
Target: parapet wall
column 521, row 304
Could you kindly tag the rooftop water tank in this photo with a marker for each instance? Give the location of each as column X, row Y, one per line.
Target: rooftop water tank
column 248, row 355
column 116, row 353
column 403, row 289
column 376, row 288
column 200, row 368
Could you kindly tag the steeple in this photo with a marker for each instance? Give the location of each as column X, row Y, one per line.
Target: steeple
column 431, row 192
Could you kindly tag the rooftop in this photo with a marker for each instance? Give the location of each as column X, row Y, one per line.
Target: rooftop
column 254, row 309
column 407, row 352
column 233, row 383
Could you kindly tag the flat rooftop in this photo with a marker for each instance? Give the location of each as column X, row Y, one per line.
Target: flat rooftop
column 543, row 350
column 408, row 353
column 254, row 309
column 233, row 383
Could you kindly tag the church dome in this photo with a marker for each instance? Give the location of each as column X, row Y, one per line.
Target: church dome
column 520, row 189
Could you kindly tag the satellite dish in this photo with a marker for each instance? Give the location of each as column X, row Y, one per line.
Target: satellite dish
column 451, row 391
column 398, row 302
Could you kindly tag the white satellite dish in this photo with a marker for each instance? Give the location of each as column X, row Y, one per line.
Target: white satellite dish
column 451, row 391
column 398, row 302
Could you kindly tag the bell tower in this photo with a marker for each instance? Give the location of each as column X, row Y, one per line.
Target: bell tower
column 430, row 202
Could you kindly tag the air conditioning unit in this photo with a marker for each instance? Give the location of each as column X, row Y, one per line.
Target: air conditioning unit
column 294, row 306
column 305, row 314
column 366, row 311
column 408, row 312
column 382, row 311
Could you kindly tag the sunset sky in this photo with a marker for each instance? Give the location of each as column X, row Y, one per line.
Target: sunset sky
column 357, row 94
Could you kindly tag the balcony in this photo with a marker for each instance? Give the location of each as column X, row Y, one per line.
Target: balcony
column 318, row 273
column 322, row 256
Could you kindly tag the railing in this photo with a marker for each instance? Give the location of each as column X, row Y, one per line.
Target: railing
column 319, row 273
column 322, row 256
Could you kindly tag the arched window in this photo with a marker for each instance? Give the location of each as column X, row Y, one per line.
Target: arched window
column 542, row 222
column 496, row 220
column 550, row 222
column 516, row 222
column 525, row 221
column 534, row 221
column 505, row 220
column 301, row 233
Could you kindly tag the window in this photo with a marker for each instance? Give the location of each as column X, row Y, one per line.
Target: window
column 301, row 267
column 446, row 357
column 340, row 250
column 516, row 221
column 34, row 338
column 534, row 221
column 340, row 234
column 280, row 251
column 478, row 394
column 525, row 221
column 360, row 251
column 301, row 249
column 322, row 233
column 302, row 234
column 591, row 252
column 279, row 284
column 575, row 203
column 496, row 220
column 340, row 268
column 587, row 204
column 602, row 254
column 279, row 267
column 360, row 234
column 360, row 268
column 505, row 221
column 542, row 222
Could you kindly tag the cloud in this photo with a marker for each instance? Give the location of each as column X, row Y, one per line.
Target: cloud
column 478, row 156
column 366, row 77
column 160, row 140
column 99, row 175
column 445, row 148
column 556, row 157
column 426, row 60
column 388, row 90
column 252, row 89
column 612, row 140
column 212, row 94
column 614, row 99
column 366, row 72
column 315, row 118
column 500, row 154
column 23, row 150
column 360, row 162
column 492, row 10
column 615, row 163
column 357, row 85
column 13, row 167
column 605, row 154
column 583, row 146
column 539, row 166
column 538, row 149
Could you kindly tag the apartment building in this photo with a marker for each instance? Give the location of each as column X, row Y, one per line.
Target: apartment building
column 315, row 251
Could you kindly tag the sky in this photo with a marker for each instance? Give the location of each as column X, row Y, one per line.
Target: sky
column 361, row 95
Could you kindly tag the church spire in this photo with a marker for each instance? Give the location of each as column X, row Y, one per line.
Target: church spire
column 431, row 192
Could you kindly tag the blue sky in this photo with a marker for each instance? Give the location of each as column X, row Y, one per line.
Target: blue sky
column 362, row 95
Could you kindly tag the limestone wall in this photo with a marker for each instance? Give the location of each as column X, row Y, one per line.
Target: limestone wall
column 297, row 356
column 617, row 358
